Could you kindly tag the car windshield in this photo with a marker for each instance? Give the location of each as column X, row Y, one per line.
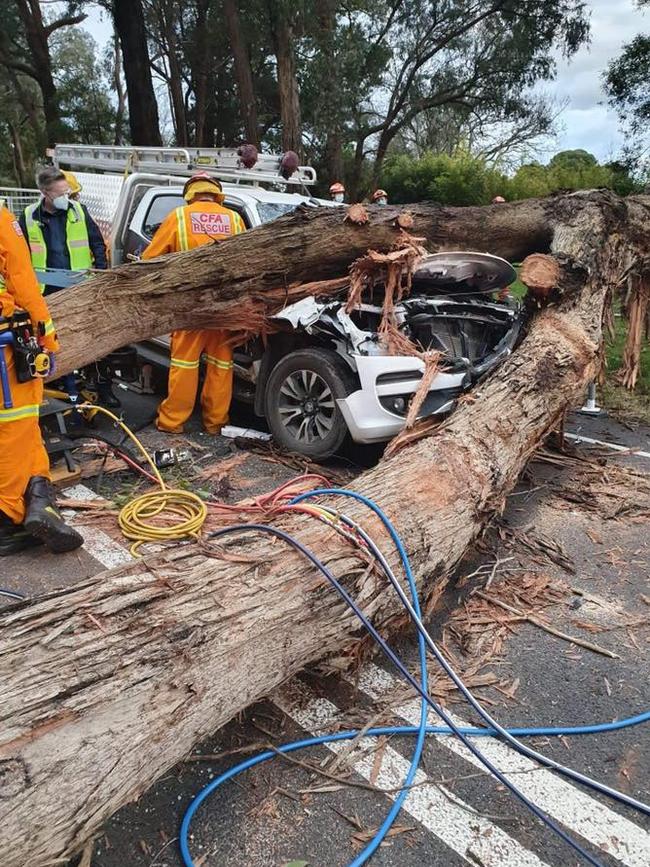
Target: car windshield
column 270, row 211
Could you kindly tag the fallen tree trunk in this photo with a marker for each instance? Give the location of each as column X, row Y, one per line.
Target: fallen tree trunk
column 235, row 284
column 108, row 684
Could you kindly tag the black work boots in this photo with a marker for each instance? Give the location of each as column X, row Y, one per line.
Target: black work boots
column 14, row 537
column 43, row 520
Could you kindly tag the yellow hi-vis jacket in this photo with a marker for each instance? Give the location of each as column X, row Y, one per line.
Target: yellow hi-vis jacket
column 76, row 237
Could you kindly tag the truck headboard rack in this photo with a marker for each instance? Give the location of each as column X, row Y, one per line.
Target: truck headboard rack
column 223, row 163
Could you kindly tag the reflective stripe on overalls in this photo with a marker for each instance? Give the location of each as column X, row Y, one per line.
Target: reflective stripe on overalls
column 3, row 286
column 76, row 232
column 181, row 225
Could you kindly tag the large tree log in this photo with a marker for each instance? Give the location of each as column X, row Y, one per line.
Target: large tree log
column 238, row 282
column 107, row 684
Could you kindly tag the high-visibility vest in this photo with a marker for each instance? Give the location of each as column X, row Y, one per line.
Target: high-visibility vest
column 76, row 232
column 3, row 287
column 183, row 232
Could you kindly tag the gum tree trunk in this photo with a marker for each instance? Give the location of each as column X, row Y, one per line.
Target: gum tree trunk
column 106, row 685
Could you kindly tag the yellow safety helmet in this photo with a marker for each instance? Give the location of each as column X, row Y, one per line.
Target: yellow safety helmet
column 73, row 183
column 202, row 182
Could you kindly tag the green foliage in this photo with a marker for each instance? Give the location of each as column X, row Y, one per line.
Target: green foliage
column 461, row 179
column 464, row 179
column 529, row 181
column 84, row 96
column 627, row 84
column 627, row 81
column 571, row 170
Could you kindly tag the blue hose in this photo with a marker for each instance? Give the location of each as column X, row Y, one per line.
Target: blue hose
column 379, row 732
column 12, row 594
column 490, row 722
column 420, row 730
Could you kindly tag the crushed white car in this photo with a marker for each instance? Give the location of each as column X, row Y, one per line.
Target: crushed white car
column 326, row 375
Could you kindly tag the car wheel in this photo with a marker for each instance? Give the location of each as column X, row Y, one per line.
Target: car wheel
column 300, row 402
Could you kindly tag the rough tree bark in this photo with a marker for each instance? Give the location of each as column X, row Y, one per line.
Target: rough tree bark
column 166, row 14
column 109, row 683
column 120, row 109
column 283, row 32
column 243, row 72
column 256, row 273
column 129, row 23
column 37, row 35
column 199, row 61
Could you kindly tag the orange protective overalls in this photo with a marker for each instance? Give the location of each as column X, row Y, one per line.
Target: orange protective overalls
column 184, row 229
column 22, row 453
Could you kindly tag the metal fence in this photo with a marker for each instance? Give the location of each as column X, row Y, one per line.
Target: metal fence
column 17, row 198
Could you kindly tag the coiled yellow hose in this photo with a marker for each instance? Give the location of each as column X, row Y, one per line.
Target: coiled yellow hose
column 160, row 516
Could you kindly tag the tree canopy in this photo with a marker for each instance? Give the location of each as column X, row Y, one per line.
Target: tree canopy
column 429, row 98
column 344, row 84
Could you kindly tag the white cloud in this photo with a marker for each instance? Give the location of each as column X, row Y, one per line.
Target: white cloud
column 588, row 122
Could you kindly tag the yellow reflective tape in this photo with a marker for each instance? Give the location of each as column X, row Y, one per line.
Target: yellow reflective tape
column 19, row 413
column 49, row 328
column 181, row 228
column 218, row 362
column 179, row 362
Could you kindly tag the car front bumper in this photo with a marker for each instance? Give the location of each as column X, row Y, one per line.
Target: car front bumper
column 370, row 413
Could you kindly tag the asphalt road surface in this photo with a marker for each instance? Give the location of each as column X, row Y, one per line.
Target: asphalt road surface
column 456, row 814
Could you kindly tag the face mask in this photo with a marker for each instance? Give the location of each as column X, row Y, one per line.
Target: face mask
column 61, row 203
column 338, row 197
column 382, row 201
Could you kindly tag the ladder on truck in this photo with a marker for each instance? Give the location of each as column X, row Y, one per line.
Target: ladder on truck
column 222, row 163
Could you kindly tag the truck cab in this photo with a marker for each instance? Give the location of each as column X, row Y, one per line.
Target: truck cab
column 254, row 205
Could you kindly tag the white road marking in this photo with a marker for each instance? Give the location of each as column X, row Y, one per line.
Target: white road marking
column 630, row 450
column 619, row 837
column 458, row 825
column 97, row 543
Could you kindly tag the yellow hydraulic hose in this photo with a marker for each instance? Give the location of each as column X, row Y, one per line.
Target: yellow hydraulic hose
column 177, row 514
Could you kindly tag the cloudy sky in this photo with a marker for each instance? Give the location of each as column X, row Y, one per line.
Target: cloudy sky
column 586, row 122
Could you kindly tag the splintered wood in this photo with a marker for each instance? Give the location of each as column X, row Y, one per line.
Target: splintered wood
column 611, row 491
column 637, row 313
column 395, row 271
column 191, row 637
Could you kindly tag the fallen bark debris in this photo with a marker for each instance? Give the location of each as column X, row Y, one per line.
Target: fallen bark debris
column 537, row 621
column 193, row 635
column 597, row 485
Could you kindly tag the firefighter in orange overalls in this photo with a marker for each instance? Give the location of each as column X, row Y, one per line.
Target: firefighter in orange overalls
column 28, row 514
column 202, row 221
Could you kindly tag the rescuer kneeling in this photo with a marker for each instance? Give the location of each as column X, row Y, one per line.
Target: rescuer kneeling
column 28, row 514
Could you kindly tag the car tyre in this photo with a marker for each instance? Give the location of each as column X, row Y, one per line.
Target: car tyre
column 300, row 402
